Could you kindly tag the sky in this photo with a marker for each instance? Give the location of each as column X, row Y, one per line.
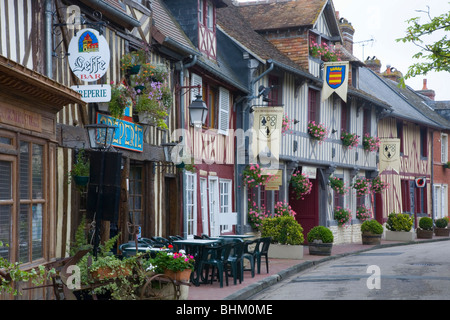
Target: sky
column 384, row 21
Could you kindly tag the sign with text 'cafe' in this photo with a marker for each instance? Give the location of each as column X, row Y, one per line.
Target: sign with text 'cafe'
column 128, row 135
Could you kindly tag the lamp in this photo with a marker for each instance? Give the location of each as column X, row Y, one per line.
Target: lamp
column 198, row 112
column 100, row 135
column 167, row 148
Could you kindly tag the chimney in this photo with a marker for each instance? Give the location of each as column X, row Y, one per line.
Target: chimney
column 427, row 92
column 373, row 64
column 347, row 31
column 392, row 74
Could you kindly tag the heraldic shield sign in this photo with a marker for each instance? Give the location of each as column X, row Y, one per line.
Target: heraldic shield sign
column 267, row 123
column 390, row 154
column 336, row 79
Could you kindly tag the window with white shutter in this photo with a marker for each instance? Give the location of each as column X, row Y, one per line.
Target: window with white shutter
column 444, row 148
column 224, row 111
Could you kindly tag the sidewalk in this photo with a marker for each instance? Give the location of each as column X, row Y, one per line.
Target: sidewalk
column 280, row 269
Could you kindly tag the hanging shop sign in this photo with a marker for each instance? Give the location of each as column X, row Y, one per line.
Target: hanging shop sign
column 89, row 55
column 94, row 93
column 389, row 154
column 267, row 124
column 128, row 135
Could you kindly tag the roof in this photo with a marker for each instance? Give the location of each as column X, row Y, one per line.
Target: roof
column 403, row 106
column 281, row 15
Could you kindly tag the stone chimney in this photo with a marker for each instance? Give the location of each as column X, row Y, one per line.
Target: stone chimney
column 427, row 92
column 373, row 64
column 392, row 74
column 347, row 31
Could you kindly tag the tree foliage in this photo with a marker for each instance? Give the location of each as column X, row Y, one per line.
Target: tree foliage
column 434, row 55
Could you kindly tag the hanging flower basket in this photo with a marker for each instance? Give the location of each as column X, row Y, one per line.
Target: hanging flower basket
column 371, row 143
column 363, row 213
column 379, row 185
column 338, row 185
column 342, row 216
column 362, row 186
column 349, row 140
column 253, row 176
column 301, row 185
column 317, row 131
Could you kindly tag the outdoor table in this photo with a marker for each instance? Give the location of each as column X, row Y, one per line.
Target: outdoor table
column 194, row 247
column 240, row 236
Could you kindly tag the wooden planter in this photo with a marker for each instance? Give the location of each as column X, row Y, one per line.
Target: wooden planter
column 369, row 238
column 105, row 273
column 424, row 234
column 442, row 232
column 320, row 249
column 182, row 276
column 283, row 251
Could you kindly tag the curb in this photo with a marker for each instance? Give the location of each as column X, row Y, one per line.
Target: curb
column 257, row 287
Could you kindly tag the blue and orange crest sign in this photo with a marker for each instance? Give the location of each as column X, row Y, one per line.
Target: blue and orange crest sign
column 335, row 75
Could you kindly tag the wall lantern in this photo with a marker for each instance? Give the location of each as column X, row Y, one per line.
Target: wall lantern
column 198, row 111
column 100, row 136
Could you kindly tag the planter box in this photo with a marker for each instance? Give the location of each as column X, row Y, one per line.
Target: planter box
column 320, row 249
column 399, row 236
column 442, row 232
column 283, row 251
column 370, row 238
column 424, row 234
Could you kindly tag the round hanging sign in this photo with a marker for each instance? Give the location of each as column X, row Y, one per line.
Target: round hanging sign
column 89, row 55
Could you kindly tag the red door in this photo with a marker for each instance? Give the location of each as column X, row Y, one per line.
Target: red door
column 307, row 209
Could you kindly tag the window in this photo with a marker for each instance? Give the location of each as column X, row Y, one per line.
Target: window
column 207, row 40
column 224, row 111
column 367, row 122
column 444, row 148
column 423, row 142
column 275, row 92
column 7, row 185
column 191, row 203
column 400, row 135
column 440, row 200
column 345, row 117
column 225, row 201
column 32, row 202
column 135, row 197
column 406, row 197
column 313, row 105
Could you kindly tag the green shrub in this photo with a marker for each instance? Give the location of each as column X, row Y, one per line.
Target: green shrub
column 372, row 226
column 320, row 233
column 399, row 222
column 283, row 230
column 441, row 223
column 426, row 223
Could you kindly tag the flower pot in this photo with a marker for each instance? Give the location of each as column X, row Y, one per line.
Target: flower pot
column 106, row 272
column 283, row 251
column 134, row 69
column 370, row 238
column 442, row 232
column 404, row 236
column 320, row 249
column 145, row 118
column 424, row 234
column 183, row 276
column 81, row 180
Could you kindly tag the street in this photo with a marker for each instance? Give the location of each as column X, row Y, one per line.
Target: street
column 410, row 272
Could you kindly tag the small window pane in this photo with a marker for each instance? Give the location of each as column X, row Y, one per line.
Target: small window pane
column 37, row 171
column 24, row 234
column 5, row 233
column 24, row 167
column 5, row 180
column 37, row 231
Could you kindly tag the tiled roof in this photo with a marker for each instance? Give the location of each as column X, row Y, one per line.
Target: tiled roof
column 280, row 15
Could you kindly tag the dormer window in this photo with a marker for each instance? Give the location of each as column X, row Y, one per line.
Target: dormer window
column 207, row 28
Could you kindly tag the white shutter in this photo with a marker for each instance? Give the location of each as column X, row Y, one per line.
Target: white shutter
column 224, row 111
column 195, row 81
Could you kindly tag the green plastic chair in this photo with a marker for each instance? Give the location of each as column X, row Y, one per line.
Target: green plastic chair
column 262, row 250
column 217, row 258
column 236, row 261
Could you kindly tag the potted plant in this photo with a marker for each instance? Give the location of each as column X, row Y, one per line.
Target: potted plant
column 301, row 185
column 342, row 216
column 362, row 186
column 371, row 143
column 80, row 169
column 337, row 185
column 285, row 126
column 379, row 185
column 320, row 241
column 363, row 213
column 317, row 132
column 131, row 62
column 256, row 217
column 287, row 237
column 425, row 230
column 252, row 176
column 371, row 231
column 441, row 227
column 177, row 265
column 120, row 99
column 398, row 227
column 349, row 140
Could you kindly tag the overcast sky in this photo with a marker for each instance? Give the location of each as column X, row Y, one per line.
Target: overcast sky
column 384, row 21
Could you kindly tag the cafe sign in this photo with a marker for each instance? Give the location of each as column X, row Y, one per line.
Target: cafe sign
column 94, row 93
column 89, row 55
column 128, row 135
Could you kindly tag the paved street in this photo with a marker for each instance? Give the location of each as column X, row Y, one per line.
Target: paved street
column 412, row 272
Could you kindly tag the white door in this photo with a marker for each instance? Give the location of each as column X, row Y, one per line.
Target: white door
column 204, row 205
column 214, row 206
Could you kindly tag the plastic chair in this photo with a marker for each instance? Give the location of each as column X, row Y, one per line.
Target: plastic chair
column 236, row 261
column 217, row 258
column 262, row 250
column 250, row 254
column 160, row 241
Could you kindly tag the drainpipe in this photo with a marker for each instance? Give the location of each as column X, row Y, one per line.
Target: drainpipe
column 182, row 68
column 48, row 38
column 244, row 125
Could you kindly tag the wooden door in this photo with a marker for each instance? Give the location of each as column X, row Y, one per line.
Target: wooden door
column 307, row 209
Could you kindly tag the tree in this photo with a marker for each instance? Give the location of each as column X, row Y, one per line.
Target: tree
column 434, row 54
